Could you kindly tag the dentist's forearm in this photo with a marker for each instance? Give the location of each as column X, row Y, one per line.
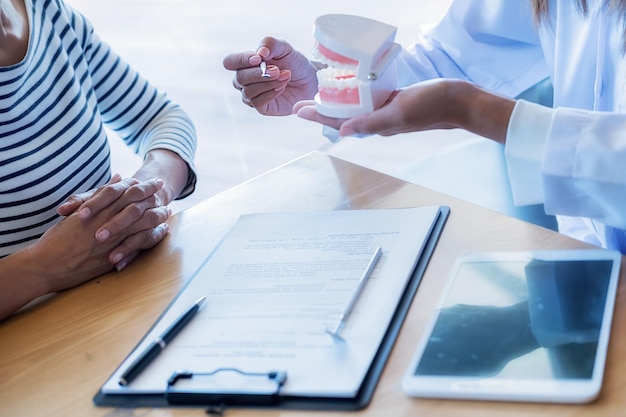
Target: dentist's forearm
column 480, row 112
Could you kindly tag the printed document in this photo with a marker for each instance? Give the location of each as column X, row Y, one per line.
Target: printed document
column 273, row 285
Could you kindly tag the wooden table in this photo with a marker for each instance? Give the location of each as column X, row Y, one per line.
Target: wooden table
column 55, row 355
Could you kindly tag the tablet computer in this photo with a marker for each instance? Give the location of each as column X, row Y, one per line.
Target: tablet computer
column 519, row 326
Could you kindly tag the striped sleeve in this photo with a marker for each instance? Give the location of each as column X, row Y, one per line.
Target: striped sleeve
column 143, row 116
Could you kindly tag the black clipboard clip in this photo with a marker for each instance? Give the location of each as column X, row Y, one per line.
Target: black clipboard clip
column 255, row 389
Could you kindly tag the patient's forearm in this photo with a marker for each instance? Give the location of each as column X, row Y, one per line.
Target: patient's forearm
column 20, row 282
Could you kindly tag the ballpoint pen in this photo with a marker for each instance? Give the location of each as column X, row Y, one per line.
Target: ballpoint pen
column 355, row 295
column 159, row 344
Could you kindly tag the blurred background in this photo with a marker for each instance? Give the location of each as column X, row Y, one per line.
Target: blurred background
column 179, row 46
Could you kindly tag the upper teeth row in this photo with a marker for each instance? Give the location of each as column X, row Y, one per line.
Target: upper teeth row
column 317, row 55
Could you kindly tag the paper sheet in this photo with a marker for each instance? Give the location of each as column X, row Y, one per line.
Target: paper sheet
column 273, row 284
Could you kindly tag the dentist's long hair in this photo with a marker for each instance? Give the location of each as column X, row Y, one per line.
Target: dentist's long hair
column 541, row 10
column 541, row 7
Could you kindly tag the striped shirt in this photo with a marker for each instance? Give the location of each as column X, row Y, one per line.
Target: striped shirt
column 54, row 105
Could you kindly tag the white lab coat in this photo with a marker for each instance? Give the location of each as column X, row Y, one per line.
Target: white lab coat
column 571, row 158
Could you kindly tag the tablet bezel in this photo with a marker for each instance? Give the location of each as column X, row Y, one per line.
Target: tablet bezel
column 537, row 390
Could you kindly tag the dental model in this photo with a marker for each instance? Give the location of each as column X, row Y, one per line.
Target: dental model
column 360, row 72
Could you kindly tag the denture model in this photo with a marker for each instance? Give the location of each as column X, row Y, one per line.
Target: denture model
column 360, row 72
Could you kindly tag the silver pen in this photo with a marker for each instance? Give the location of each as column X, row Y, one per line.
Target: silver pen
column 355, row 295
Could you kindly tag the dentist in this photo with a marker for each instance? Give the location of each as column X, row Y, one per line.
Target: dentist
column 466, row 71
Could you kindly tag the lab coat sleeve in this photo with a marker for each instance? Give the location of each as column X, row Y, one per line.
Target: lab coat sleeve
column 570, row 160
column 584, row 168
column 493, row 43
column 525, row 145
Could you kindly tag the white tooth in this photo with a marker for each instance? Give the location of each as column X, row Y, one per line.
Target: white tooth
column 317, row 55
column 328, row 78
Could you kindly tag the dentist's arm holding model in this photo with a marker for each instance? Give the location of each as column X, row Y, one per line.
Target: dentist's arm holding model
column 466, row 71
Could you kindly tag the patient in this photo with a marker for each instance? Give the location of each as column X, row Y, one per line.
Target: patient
column 64, row 219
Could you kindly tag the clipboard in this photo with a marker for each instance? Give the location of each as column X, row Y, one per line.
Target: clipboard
column 266, row 387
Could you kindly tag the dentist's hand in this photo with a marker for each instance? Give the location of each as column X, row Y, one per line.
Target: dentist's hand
column 432, row 104
column 292, row 77
column 421, row 107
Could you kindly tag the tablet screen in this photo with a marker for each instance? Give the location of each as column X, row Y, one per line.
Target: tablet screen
column 517, row 320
